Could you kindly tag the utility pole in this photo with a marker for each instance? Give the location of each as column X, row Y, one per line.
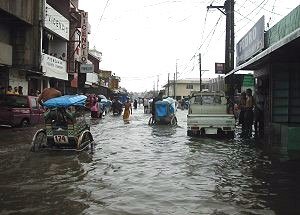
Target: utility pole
column 200, row 72
column 154, row 88
column 157, row 83
column 228, row 11
column 168, row 84
column 174, row 87
column 176, row 69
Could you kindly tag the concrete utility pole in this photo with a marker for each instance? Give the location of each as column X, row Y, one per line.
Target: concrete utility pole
column 157, row 84
column 200, row 72
column 175, row 80
column 228, row 11
column 168, row 84
column 174, row 86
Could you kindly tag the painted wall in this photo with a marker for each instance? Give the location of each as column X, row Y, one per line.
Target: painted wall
column 18, row 78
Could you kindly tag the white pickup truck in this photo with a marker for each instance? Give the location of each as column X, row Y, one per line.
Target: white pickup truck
column 208, row 115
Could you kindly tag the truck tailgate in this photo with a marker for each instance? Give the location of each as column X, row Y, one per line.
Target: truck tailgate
column 211, row 120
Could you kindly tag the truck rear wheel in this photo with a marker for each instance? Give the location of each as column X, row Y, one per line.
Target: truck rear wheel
column 231, row 134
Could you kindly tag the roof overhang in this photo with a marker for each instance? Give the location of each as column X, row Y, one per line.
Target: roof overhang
column 285, row 50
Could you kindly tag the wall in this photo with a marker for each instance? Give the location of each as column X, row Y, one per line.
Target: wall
column 20, row 8
column 18, row 78
column 4, row 34
column 60, row 6
column 285, row 93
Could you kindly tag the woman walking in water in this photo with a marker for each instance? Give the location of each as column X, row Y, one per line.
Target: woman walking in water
column 127, row 111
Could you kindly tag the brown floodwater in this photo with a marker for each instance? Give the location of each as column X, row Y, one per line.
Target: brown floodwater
column 140, row 169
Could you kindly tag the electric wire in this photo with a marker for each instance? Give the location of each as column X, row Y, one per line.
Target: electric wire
column 202, row 43
column 253, row 16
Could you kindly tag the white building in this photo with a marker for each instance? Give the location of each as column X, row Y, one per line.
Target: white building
column 183, row 88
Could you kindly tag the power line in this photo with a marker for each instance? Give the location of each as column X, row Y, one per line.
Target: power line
column 213, row 33
column 254, row 15
column 195, row 54
column 104, row 11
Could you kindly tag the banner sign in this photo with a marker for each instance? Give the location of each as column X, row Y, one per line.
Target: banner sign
column 86, row 68
column 84, row 37
column 220, row 68
column 54, row 67
column 56, row 23
column 251, row 43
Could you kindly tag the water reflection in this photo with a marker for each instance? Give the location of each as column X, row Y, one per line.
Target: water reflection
column 142, row 169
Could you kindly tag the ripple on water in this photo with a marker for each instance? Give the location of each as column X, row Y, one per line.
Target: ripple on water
column 142, row 169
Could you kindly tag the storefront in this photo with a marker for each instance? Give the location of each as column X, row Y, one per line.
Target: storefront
column 276, row 69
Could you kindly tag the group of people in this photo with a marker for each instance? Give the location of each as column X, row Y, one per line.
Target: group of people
column 18, row 90
column 251, row 111
column 12, row 91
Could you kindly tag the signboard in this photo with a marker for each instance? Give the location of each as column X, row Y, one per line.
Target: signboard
column 220, row 68
column 86, row 68
column 91, row 78
column 56, row 23
column 84, row 37
column 105, row 74
column 54, row 67
column 251, row 43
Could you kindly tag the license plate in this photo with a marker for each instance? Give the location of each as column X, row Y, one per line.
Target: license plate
column 211, row 131
column 60, row 139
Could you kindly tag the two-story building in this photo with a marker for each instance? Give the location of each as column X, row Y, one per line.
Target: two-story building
column 20, row 43
column 183, row 88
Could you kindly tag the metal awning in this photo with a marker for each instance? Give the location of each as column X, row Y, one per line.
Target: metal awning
column 265, row 56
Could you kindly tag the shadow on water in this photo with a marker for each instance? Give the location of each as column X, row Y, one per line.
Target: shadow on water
column 162, row 130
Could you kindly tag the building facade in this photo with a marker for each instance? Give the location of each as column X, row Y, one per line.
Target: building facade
column 43, row 39
column 276, row 70
column 20, row 44
column 183, row 88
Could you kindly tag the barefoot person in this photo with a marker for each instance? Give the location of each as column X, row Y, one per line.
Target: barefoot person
column 127, row 111
column 49, row 93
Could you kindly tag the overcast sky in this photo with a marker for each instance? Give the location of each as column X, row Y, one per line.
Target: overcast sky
column 142, row 39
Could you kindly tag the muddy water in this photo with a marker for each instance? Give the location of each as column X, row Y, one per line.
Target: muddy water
column 139, row 169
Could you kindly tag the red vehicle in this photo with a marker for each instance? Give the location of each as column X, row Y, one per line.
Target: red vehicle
column 19, row 110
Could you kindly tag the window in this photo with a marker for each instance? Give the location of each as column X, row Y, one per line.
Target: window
column 14, row 101
column 208, row 100
column 189, row 86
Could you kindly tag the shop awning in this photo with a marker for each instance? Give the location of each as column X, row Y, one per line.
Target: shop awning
column 285, row 50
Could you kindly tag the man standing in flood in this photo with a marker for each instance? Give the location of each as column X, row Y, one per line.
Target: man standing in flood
column 49, row 93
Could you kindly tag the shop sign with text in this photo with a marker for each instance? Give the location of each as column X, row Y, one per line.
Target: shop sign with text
column 56, row 23
column 86, row 68
column 251, row 43
column 54, row 67
column 220, row 68
column 84, row 37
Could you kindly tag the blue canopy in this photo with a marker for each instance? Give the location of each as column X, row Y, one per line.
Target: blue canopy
column 164, row 108
column 66, row 101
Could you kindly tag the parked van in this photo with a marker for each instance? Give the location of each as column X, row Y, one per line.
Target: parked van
column 19, row 110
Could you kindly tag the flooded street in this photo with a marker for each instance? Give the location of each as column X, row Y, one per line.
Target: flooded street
column 140, row 169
